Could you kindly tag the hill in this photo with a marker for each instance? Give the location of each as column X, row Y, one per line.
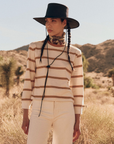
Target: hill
column 100, row 56
column 23, row 48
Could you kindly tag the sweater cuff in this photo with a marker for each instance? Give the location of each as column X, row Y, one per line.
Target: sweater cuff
column 26, row 104
column 78, row 110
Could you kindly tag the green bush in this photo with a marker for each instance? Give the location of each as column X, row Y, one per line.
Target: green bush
column 1, row 58
column 88, row 82
column 110, row 72
column 85, row 63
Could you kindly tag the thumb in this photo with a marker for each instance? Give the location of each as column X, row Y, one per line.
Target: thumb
column 74, row 133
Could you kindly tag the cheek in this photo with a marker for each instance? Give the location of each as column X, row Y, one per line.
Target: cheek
column 46, row 26
column 58, row 27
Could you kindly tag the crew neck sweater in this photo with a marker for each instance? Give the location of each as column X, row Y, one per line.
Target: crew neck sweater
column 63, row 84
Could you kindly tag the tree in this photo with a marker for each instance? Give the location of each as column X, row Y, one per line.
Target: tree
column 7, row 69
column 1, row 58
column 19, row 71
column 85, row 63
column 111, row 74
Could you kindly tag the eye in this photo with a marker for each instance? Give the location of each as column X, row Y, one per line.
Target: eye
column 53, row 20
column 45, row 20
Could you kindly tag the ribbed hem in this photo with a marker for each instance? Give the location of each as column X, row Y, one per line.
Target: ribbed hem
column 26, row 104
column 78, row 110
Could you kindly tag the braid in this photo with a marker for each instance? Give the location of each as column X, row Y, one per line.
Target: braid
column 69, row 40
column 45, row 41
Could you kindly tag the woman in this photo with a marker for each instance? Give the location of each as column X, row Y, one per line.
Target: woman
column 53, row 82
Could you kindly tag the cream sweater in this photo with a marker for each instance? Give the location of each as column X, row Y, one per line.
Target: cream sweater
column 63, row 84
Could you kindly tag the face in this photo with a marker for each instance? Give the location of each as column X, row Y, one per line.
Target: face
column 55, row 26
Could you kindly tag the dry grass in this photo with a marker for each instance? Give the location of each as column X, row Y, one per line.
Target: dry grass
column 10, row 122
column 97, row 121
column 97, row 126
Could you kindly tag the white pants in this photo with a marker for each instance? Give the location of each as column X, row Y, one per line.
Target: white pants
column 59, row 115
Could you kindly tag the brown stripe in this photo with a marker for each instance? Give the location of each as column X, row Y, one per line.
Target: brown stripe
column 78, row 95
column 26, row 99
column 31, row 60
column 76, row 86
column 30, row 70
column 57, row 50
column 77, row 66
column 76, row 76
column 53, row 97
column 79, row 105
column 28, row 80
column 54, row 50
column 31, row 49
column 51, row 77
column 27, row 90
column 73, row 53
column 41, row 67
column 61, row 68
column 53, row 58
column 79, row 56
column 51, row 87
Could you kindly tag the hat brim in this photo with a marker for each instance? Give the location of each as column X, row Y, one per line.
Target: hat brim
column 72, row 22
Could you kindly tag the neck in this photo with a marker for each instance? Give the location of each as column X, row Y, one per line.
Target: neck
column 58, row 40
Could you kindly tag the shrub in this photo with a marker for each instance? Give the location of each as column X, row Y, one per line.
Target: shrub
column 111, row 74
column 88, row 82
column 85, row 63
column 19, row 71
column 7, row 68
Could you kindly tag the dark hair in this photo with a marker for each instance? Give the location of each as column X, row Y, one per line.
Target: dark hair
column 68, row 47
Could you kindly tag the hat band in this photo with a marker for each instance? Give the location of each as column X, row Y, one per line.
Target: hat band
column 56, row 15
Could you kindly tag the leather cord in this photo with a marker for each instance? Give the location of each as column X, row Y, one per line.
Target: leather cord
column 48, row 66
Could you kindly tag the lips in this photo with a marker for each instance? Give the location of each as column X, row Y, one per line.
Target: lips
column 49, row 30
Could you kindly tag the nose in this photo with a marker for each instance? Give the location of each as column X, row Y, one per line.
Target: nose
column 48, row 24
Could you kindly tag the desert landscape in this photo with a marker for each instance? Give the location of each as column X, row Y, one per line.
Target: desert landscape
column 97, row 120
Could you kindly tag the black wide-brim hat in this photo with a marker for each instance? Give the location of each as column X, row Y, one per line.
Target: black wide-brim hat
column 55, row 10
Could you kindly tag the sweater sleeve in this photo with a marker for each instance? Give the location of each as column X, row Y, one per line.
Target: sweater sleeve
column 77, row 84
column 29, row 77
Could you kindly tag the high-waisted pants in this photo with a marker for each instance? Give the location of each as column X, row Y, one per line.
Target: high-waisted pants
column 56, row 114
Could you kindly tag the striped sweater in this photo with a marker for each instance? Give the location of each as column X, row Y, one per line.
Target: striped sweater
column 63, row 84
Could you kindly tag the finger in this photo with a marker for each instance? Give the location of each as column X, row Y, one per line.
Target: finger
column 74, row 133
column 76, row 136
column 24, row 128
column 27, row 128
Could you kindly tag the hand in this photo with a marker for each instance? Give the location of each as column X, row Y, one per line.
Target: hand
column 25, row 125
column 77, row 131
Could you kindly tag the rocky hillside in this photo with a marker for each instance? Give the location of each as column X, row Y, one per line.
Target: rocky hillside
column 100, row 56
column 19, row 55
column 23, row 48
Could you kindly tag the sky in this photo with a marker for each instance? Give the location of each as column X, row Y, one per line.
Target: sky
column 17, row 27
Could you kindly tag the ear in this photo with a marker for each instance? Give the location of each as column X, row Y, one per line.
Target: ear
column 64, row 22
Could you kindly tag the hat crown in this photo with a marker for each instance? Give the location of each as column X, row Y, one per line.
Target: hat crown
column 55, row 10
